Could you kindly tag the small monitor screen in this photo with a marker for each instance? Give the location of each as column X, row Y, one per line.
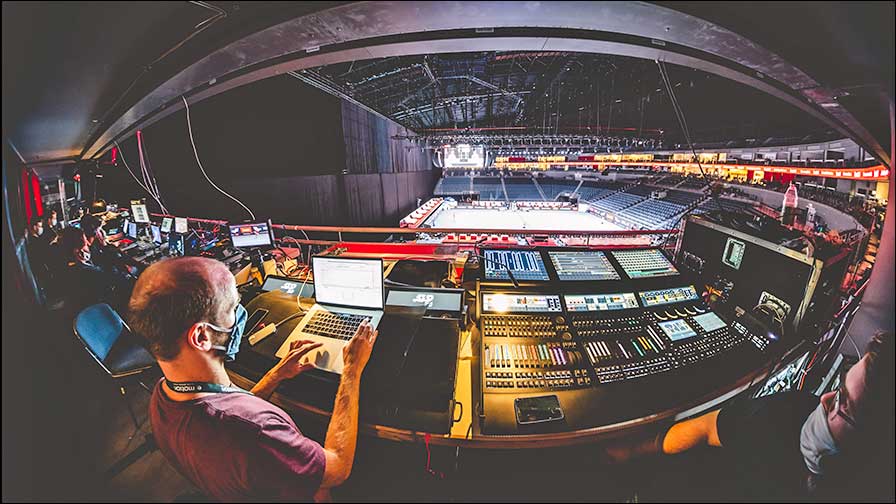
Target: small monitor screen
column 524, row 264
column 180, row 225
column 348, row 282
column 677, row 329
column 132, row 230
column 255, row 234
column 515, row 303
column 443, row 301
column 156, row 234
column 287, row 286
column 734, row 253
column 140, row 213
column 668, row 296
column 124, row 226
column 600, row 302
column 709, row 321
column 166, row 224
column 585, row 265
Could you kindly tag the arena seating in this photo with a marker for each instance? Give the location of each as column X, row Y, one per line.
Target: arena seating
column 553, row 187
column 669, row 180
column 591, row 193
column 683, row 198
column 726, row 204
column 693, row 183
column 616, row 202
column 490, row 188
column 641, row 190
column 651, row 213
column 631, row 205
column 521, row 189
column 452, row 185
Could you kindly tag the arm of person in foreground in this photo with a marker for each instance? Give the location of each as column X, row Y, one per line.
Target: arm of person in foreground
column 342, row 434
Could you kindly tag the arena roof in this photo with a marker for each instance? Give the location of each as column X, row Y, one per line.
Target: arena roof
column 79, row 75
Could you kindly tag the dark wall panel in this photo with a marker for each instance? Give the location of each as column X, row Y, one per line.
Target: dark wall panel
column 294, row 200
column 371, row 148
column 364, row 199
column 290, row 152
column 390, row 194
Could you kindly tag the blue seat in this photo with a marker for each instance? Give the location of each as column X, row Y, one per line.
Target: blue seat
column 110, row 342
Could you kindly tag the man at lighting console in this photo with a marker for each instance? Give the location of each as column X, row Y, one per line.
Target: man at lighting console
column 231, row 443
column 837, row 446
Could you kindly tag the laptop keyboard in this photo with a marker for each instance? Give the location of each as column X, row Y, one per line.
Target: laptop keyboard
column 334, row 324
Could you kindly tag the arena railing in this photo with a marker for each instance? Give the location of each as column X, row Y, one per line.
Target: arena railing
column 337, row 235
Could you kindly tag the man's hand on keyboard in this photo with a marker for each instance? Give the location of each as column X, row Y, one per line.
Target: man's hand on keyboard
column 357, row 352
column 291, row 365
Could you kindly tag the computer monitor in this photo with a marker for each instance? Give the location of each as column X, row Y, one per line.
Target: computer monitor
column 348, row 282
column 132, row 230
column 140, row 213
column 252, row 234
column 166, row 224
column 175, row 244
column 180, row 225
column 156, row 234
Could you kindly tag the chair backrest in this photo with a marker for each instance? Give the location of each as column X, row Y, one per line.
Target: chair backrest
column 99, row 327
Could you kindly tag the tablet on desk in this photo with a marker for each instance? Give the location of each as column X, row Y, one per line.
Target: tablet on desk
column 533, row 410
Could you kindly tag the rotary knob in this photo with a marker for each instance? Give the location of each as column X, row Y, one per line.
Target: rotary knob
column 559, row 319
column 566, row 336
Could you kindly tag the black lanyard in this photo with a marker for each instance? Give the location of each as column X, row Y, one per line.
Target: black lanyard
column 193, row 387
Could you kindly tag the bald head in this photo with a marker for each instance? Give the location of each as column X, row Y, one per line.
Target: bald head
column 173, row 295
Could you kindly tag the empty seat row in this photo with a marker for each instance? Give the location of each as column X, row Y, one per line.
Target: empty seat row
column 489, row 189
column 522, row 189
column 616, row 202
column 651, row 213
column 553, row 188
column 640, row 190
column 452, row 185
column 683, row 198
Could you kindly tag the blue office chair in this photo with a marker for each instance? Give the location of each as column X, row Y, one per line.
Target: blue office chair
column 109, row 340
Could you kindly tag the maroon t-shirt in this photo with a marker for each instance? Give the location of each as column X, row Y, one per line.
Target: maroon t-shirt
column 237, row 447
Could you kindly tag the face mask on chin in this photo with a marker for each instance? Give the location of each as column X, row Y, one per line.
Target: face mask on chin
column 816, row 442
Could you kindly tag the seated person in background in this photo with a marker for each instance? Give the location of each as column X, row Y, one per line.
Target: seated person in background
column 80, row 282
column 104, row 254
column 231, row 443
column 38, row 251
column 838, row 446
column 52, row 229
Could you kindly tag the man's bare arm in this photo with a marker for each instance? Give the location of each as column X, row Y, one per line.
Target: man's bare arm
column 342, row 434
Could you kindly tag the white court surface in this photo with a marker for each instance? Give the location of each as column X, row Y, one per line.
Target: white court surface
column 547, row 220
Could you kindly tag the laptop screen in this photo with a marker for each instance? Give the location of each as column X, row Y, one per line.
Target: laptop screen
column 348, row 282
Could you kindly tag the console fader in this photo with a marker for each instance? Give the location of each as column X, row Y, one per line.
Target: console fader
column 527, row 345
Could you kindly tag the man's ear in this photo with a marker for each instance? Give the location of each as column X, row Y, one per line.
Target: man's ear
column 198, row 337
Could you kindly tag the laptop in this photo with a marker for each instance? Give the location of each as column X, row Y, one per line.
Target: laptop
column 347, row 291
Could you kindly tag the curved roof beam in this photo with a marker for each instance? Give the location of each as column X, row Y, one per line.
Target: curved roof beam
column 368, row 30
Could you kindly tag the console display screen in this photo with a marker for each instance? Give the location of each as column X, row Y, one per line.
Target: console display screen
column 584, row 265
column 709, row 321
column 677, row 330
